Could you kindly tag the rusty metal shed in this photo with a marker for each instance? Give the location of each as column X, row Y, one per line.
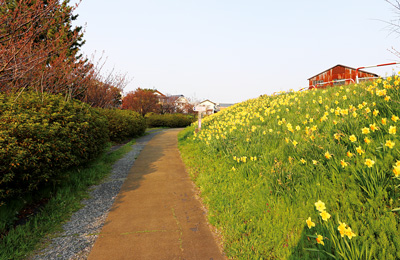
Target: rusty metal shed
column 338, row 75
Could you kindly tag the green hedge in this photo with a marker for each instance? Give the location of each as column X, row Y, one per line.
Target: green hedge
column 123, row 124
column 41, row 135
column 169, row 120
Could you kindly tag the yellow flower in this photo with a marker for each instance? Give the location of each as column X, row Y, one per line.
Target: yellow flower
column 389, row 144
column 360, row 150
column 303, row 161
column 294, row 143
column 353, row 138
column 328, row 155
column 343, row 163
column 392, row 130
column 350, row 234
column 376, row 112
column 396, row 170
column 314, row 162
column 384, row 120
column 368, row 110
column 320, row 239
column 394, row 118
column 325, row 215
column 365, row 130
column 373, row 127
column 342, row 228
column 310, row 224
column 349, row 154
column 337, row 136
column 233, row 168
column 320, row 206
column 369, row 162
column 387, row 98
column 367, row 140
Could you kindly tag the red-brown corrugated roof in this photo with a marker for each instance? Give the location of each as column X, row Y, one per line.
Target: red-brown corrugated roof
column 375, row 75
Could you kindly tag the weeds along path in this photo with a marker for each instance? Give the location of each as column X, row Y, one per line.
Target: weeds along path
column 156, row 214
column 80, row 233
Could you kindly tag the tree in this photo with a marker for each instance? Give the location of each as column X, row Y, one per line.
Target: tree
column 38, row 47
column 394, row 25
column 141, row 100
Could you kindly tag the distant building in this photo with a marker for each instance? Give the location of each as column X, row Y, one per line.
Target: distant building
column 211, row 107
column 222, row 106
column 338, row 75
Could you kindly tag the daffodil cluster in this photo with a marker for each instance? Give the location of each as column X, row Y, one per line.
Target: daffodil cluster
column 343, row 229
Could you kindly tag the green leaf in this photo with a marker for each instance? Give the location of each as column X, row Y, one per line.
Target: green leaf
column 312, row 249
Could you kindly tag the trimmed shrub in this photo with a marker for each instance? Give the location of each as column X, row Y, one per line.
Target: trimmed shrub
column 41, row 135
column 123, row 124
column 169, row 120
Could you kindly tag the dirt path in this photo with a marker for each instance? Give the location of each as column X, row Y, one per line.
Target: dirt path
column 156, row 215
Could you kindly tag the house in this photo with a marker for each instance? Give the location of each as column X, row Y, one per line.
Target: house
column 172, row 103
column 180, row 102
column 211, row 107
column 339, row 75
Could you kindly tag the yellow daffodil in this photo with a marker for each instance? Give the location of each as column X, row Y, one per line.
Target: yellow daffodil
column 337, row 136
column 360, row 150
column 353, row 138
column 384, row 121
column 367, row 140
column 325, row 215
column 314, row 162
column 303, row 161
column 373, row 127
column 349, row 154
column 294, row 143
column 365, row 130
column 392, row 130
column 343, row 163
column 342, row 228
column 320, row 206
column 328, row 155
column 349, row 233
column 389, row 144
column 394, row 118
column 376, row 112
column 310, row 224
column 320, row 239
column 396, row 170
column 369, row 162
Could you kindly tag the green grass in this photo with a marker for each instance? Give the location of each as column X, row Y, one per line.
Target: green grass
column 64, row 199
column 262, row 164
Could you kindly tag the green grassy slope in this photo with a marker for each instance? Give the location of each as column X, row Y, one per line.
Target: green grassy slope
column 261, row 166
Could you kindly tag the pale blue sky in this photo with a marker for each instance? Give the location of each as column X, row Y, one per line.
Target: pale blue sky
column 230, row 51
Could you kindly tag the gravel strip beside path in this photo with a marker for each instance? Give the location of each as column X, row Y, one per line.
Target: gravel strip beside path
column 82, row 230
